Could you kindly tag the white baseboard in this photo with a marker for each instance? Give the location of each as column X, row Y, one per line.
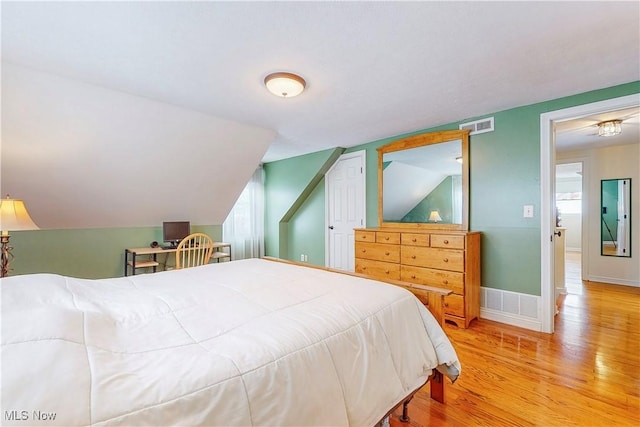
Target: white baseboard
column 512, row 308
column 614, row 281
column 510, row 319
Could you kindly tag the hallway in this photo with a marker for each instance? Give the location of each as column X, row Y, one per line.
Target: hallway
column 573, row 272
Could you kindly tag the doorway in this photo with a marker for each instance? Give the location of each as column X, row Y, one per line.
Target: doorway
column 570, row 194
column 345, row 202
column 548, row 129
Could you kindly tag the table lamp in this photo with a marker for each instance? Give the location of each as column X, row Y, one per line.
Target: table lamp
column 13, row 217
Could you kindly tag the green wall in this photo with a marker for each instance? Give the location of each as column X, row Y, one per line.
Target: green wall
column 294, row 205
column 504, row 176
column 309, row 221
column 88, row 253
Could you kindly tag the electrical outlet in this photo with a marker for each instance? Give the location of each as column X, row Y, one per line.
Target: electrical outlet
column 528, row 211
column 302, row 257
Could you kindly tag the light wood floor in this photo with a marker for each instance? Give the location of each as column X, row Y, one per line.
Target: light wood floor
column 585, row 374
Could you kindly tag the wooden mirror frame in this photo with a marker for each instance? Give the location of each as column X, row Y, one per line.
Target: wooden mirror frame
column 421, row 140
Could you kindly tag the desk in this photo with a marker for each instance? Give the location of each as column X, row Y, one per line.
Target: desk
column 131, row 255
column 221, row 250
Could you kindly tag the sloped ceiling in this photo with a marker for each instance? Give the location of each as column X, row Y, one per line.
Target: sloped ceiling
column 82, row 156
column 373, row 70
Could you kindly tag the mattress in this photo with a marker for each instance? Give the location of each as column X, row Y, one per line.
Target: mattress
column 243, row 343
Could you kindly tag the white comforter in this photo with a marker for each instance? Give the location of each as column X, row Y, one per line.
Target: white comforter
column 251, row 342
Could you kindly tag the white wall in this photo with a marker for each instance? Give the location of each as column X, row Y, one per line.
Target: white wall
column 83, row 156
column 609, row 163
column 573, row 235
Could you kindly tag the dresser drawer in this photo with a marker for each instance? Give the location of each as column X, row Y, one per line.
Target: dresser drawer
column 447, row 241
column 388, row 237
column 415, row 239
column 365, row 236
column 442, row 259
column 454, row 304
column 378, row 252
column 426, row 276
column 378, row 269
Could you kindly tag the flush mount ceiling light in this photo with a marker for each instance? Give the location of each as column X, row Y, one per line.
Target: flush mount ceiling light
column 610, row 128
column 285, row 85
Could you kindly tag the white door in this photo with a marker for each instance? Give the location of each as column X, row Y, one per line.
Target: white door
column 345, row 201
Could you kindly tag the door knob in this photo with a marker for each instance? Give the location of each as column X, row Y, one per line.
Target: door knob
column 331, row 227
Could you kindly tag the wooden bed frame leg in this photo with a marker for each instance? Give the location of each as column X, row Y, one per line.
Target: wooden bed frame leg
column 436, row 380
column 405, row 410
column 437, row 386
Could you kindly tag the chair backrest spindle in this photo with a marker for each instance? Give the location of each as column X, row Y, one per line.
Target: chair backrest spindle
column 194, row 250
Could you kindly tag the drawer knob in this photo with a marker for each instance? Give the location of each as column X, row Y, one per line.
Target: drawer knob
column 413, row 276
column 446, row 260
column 446, row 304
column 386, row 238
column 414, row 240
column 446, row 242
column 386, row 253
column 386, row 271
column 445, row 282
column 364, row 250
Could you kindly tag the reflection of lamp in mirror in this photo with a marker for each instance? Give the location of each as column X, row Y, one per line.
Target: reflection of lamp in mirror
column 13, row 217
column 434, row 216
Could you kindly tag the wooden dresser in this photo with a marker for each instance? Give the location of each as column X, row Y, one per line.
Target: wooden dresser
column 441, row 258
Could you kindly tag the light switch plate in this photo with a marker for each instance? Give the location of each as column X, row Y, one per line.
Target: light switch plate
column 528, row 211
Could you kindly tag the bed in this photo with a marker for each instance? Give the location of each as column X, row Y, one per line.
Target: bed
column 248, row 342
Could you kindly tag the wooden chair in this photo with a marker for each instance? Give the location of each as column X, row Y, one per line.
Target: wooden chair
column 194, row 250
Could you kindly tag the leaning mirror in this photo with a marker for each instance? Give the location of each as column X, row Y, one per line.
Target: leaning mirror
column 615, row 213
column 423, row 181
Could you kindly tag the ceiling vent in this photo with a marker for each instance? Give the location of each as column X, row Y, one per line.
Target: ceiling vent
column 479, row 126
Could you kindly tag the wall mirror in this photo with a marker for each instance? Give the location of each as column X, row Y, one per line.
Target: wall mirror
column 615, row 212
column 423, row 181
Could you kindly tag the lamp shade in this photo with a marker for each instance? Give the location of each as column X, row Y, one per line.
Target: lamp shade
column 434, row 216
column 285, row 85
column 14, row 216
